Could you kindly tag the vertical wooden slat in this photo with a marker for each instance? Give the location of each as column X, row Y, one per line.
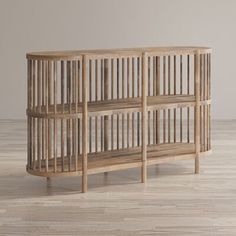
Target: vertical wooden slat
column 50, row 92
column 118, row 96
column 84, row 125
column 188, row 92
column 175, row 84
column 102, row 97
column 181, row 92
column 79, row 134
column 79, row 100
column 55, row 112
column 123, row 96
column 76, row 83
column 71, row 120
column 138, row 95
column 46, row 145
column 209, row 76
column 112, row 97
column 39, row 84
column 76, row 78
column 154, row 87
column 201, row 98
column 203, row 106
column 149, row 94
column 106, row 93
column 90, row 99
column 209, row 97
column 49, row 131
column 29, row 91
column 28, row 85
column 43, row 105
column 46, row 121
column 164, row 93
column 158, row 77
column 34, row 109
column 96, row 99
column 205, row 98
column 32, row 129
column 68, row 121
column 128, row 95
column 55, row 86
column 39, row 138
column 76, row 143
column 133, row 88
column 144, row 112
column 197, row 110
column 62, row 110
column 73, row 110
column 169, row 91
column 102, row 132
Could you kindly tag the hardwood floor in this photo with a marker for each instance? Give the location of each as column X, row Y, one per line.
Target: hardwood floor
column 174, row 201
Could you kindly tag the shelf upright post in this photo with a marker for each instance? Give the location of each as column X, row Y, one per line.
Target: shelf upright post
column 84, row 125
column 106, row 118
column 197, row 110
column 106, row 87
column 144, row 114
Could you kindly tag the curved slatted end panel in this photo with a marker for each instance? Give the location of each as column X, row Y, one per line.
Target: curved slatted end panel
column 205, row 108
column 103, row 110
column 54, row 87
column 185, row 78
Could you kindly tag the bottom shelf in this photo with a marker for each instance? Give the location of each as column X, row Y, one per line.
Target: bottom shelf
column 118, row 159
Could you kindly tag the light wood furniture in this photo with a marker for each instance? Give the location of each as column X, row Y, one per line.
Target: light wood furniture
column 102, row 110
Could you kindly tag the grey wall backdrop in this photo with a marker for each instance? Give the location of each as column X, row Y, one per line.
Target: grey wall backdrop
column 32, row 25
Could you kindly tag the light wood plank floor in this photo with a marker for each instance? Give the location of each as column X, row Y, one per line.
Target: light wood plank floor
column 173, row 202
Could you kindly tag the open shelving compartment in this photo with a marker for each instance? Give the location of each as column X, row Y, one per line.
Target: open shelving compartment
column 102, row 110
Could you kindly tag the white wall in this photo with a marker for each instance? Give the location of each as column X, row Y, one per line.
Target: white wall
column 32, row 25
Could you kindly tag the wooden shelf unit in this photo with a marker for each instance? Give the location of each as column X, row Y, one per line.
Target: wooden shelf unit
column 102, row 110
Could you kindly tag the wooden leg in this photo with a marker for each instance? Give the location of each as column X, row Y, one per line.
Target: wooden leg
column 84, row 183
column 197, row 165
column 144, row 173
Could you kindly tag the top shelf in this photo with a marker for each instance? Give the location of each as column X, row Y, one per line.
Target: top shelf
column 77, row 54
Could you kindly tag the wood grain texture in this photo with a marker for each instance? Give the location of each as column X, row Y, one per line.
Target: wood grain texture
column 174, row 201
column 111, row 53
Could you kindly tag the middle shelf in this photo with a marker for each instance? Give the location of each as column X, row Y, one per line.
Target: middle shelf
column 114, row 106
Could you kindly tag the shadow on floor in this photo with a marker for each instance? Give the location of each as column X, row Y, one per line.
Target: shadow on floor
column 27, row 186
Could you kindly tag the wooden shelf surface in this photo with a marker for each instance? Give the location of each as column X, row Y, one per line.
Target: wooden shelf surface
column 115, row 52
column 115, row 106
column 122, row 159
